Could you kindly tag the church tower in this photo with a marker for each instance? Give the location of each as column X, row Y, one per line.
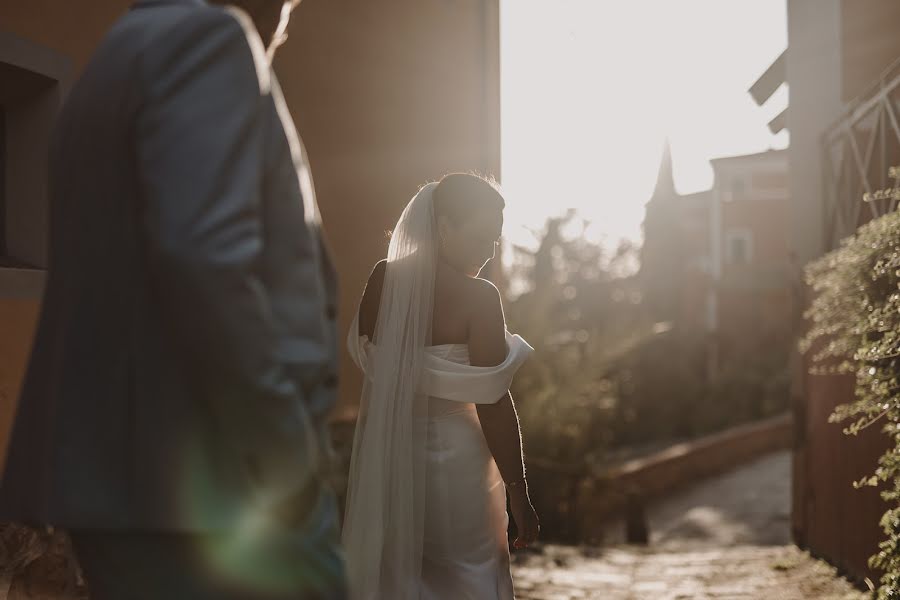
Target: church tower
column 665, row 179
column 661, row 261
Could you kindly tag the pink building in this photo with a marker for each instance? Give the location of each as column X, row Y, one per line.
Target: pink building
column 718, row 261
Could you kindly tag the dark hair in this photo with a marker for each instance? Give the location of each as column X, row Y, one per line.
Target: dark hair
column 460, row 196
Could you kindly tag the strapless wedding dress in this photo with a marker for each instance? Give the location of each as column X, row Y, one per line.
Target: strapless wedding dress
column 465, row 551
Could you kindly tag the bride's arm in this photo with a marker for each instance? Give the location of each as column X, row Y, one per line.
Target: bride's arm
column 487, row 348
column 500, row 424
column 499, row 421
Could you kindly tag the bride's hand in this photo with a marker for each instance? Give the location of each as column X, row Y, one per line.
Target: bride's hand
column 524, row 516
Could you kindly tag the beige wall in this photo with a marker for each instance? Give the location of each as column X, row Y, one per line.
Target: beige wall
column 385, row 95
column 814, row 86
column 388, row 96
column 814, row 62
column 71, row 28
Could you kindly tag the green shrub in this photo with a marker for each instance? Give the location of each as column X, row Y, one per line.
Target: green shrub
column 855, row 329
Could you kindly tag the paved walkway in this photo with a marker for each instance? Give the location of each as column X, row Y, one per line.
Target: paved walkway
column 735, row 573
column 727, row 538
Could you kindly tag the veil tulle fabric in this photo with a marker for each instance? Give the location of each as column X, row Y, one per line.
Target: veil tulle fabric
column 384, row 518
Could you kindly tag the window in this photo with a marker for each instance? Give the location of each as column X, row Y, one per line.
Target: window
column 32, row 81
column 736, row 190
column 738, row 247
column 738, row 252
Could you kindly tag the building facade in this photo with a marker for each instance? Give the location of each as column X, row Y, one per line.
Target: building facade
column 717, row 261
column 750, row 299
column 385, row 96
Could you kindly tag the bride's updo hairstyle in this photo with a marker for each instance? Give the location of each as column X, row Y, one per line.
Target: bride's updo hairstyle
column 462, row 197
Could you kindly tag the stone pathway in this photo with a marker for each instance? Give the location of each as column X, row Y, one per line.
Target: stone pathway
column 726, row 538
column 623, row 573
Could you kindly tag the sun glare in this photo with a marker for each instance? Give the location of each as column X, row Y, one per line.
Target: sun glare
column 591, row 89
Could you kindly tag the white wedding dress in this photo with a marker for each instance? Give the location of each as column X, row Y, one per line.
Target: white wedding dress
column 465, row 551
column 426, row 508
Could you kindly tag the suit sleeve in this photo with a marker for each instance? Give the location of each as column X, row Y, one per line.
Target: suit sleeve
column 199, row 158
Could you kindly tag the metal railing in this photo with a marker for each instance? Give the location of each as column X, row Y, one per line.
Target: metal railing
column 858, row 150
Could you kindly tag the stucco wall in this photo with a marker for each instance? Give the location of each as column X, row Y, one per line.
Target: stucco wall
column 388, row 96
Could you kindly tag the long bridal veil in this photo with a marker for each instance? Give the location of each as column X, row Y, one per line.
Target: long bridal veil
column 384, row 518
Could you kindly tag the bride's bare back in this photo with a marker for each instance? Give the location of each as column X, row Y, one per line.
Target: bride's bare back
column 463, row 305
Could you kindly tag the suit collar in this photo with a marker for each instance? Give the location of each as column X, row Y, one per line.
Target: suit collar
column 149, row 3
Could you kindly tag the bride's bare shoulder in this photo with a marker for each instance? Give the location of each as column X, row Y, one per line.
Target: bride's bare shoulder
column 484, row 297
column 483, row 289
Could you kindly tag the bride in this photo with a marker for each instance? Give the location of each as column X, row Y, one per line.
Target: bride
column 437, row 447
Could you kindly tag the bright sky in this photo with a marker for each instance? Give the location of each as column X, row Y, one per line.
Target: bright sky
column 591, row 88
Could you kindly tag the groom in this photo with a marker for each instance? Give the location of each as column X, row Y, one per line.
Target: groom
column 172, row 416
